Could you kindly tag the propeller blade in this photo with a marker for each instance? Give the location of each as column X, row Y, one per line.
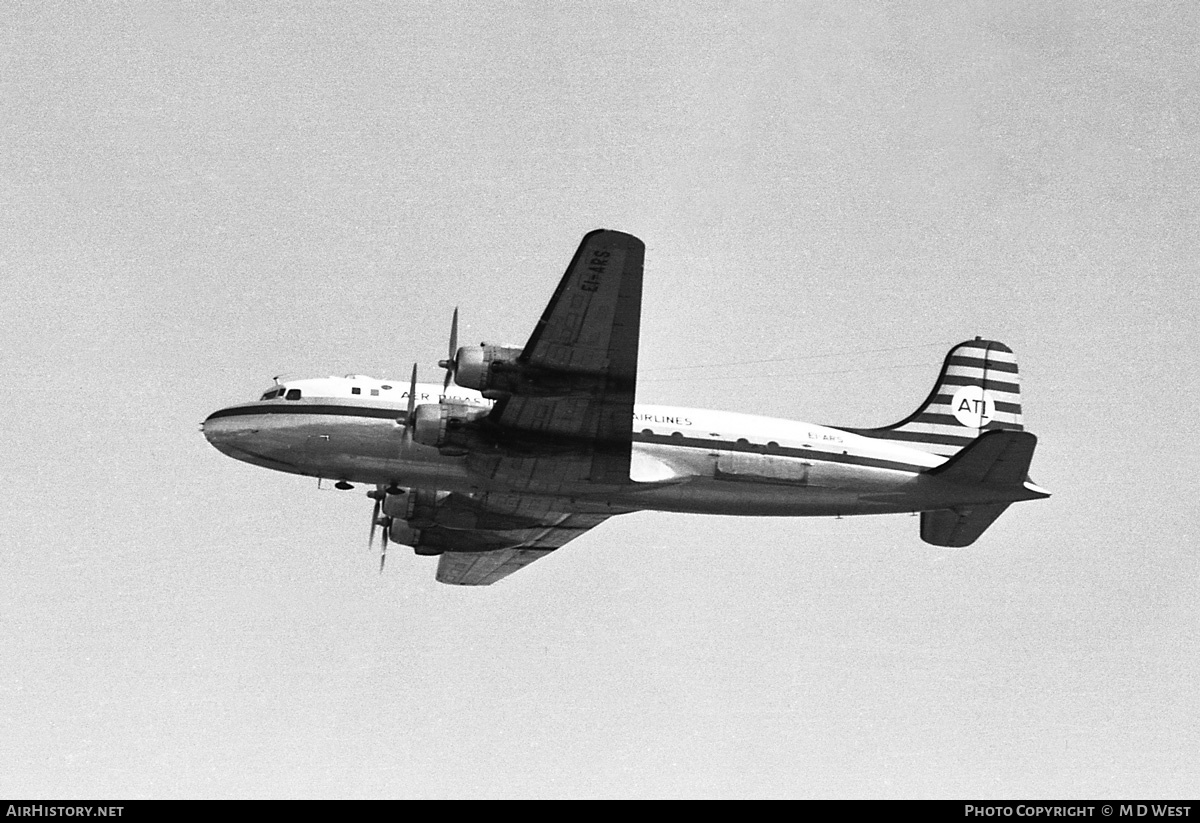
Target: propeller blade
column 412, row 407
column 412, row 391
column 375, row 521
column 383, row 554
column 450, row 363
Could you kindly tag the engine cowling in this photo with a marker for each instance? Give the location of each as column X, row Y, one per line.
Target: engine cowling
column 483, row 368
column 404, row 534
column 451, row 428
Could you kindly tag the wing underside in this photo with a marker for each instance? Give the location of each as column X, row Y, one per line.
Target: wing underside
column 485, row 538
column 484, row 568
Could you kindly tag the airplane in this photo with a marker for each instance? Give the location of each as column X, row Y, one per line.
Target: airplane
column 520, row 450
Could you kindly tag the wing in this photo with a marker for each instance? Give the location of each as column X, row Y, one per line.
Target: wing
column 573, row 405
column 483, row 538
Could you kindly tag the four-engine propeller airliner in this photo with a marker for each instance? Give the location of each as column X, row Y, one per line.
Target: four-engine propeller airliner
column 531, row 447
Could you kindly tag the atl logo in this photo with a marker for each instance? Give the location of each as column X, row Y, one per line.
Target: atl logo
column 973, row 407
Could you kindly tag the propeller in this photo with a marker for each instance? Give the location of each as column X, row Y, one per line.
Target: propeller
column 450, row 364
column 378, row 518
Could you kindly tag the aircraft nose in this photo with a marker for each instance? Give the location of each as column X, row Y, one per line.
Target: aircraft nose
column 227, row 433
column 243, row 435
column 213, row 430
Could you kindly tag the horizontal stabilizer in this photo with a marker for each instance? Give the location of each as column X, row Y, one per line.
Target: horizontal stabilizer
column 960, row 526
column 999, row 457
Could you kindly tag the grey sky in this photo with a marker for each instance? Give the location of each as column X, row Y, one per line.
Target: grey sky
column 197, row 199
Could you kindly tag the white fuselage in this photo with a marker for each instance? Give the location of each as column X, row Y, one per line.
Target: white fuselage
column 692, row 460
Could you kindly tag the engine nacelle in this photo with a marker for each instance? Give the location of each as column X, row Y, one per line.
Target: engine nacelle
column 417, row 506
column 412, row 511
column 403, row 533
column 452, row 428
column 483, row 368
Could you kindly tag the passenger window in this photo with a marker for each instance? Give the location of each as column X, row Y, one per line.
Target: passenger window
column 374, row 392
column 293, row 394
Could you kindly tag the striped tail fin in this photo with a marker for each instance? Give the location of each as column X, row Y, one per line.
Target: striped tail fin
column 978, row 390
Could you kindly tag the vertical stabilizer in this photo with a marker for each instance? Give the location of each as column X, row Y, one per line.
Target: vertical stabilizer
column 978, row 390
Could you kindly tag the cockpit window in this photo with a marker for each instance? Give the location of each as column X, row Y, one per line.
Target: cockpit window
column 272, row 394
column 293, row 394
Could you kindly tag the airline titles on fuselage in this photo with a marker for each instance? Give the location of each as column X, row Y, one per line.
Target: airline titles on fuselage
column 662, row 419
